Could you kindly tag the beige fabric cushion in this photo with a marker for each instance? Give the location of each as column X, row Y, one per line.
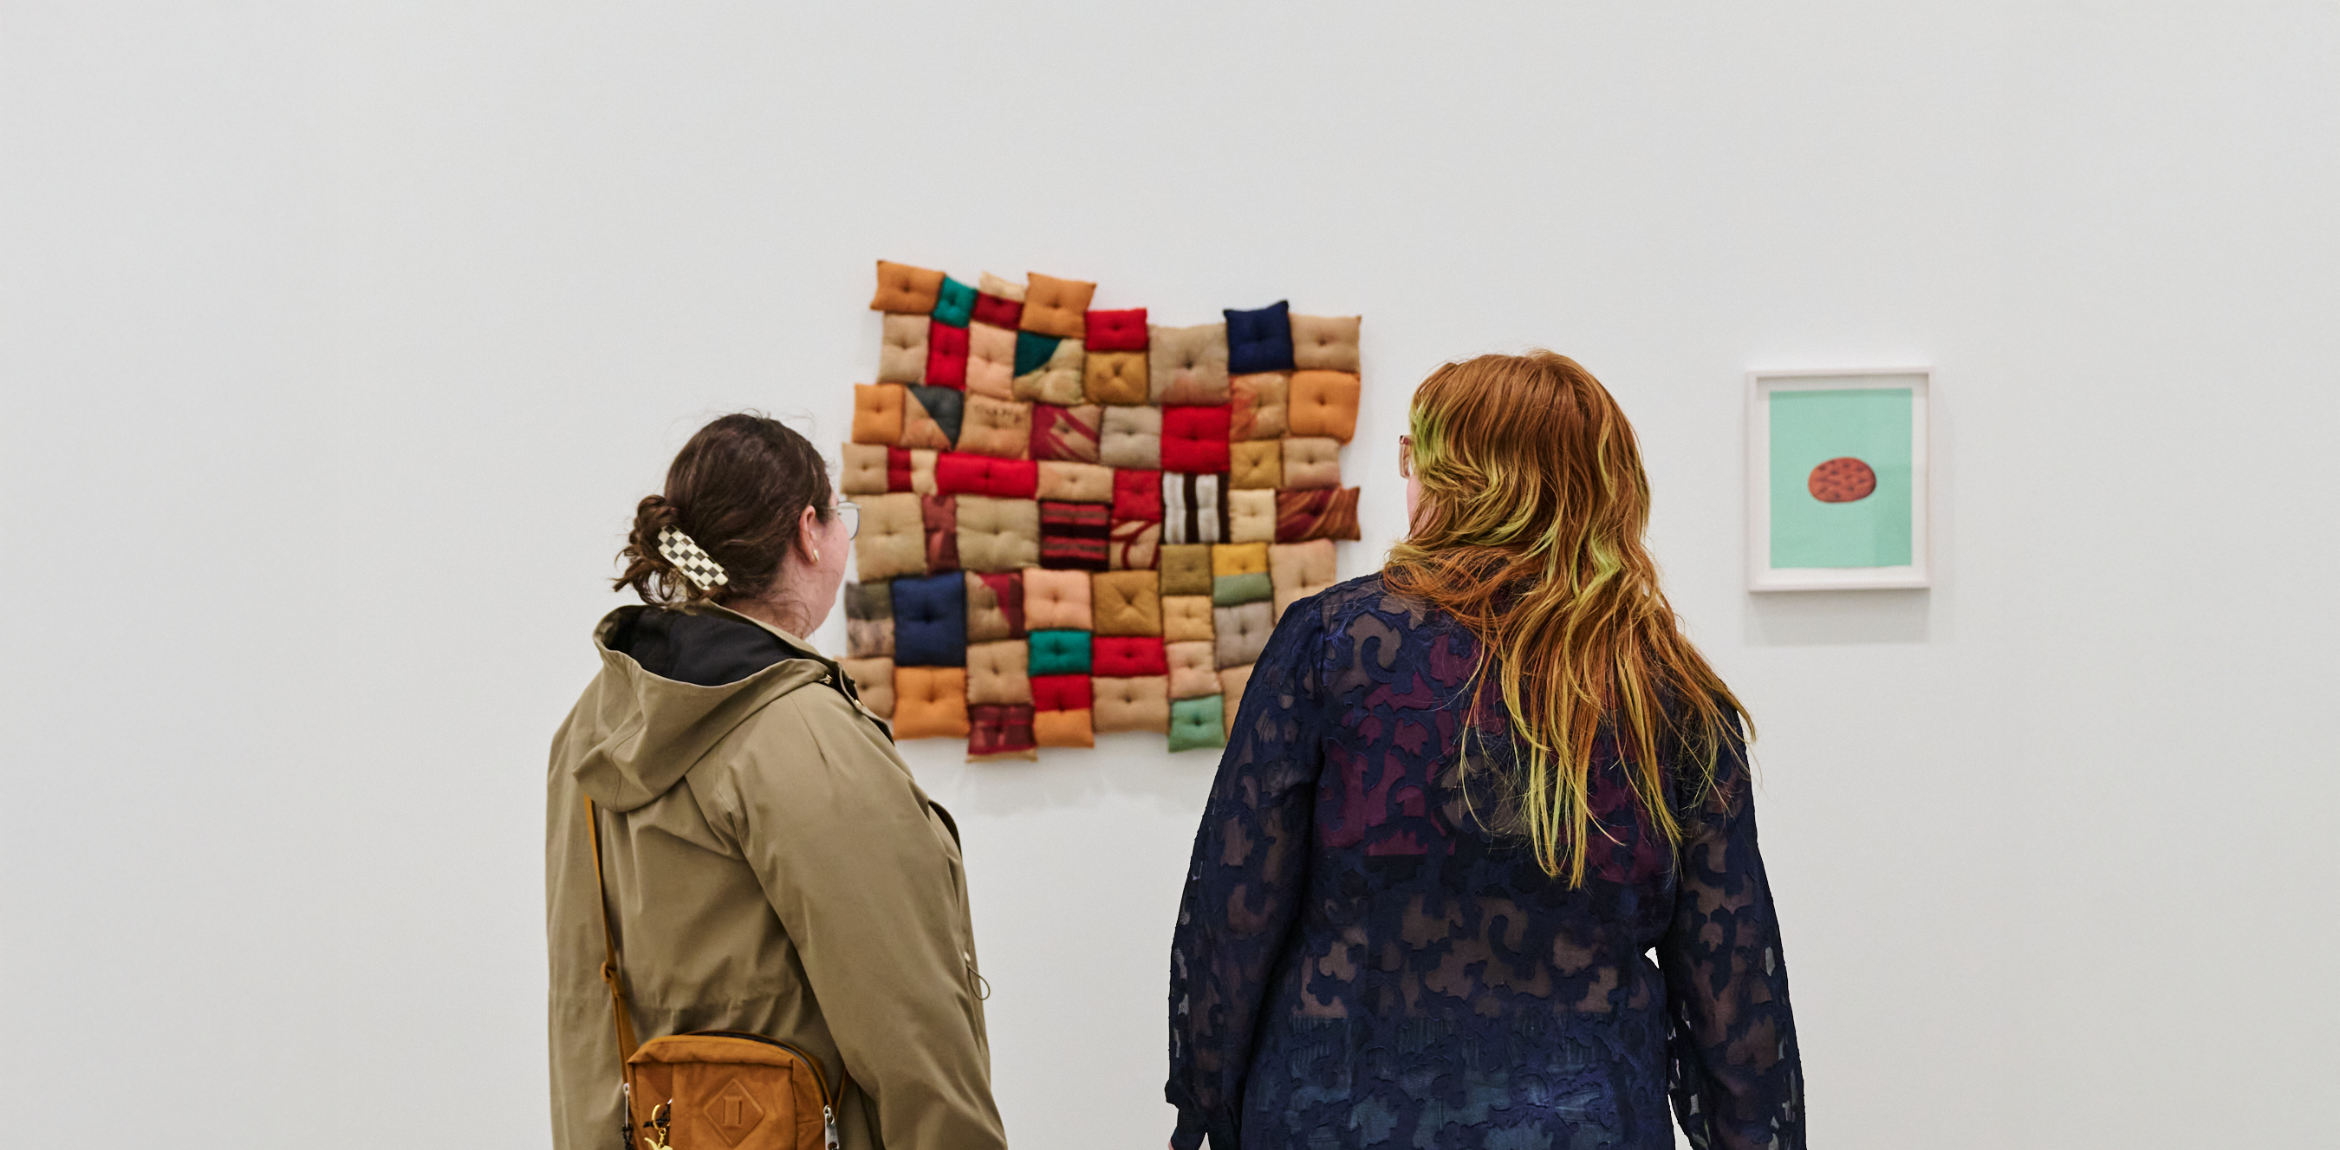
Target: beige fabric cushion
column 1056, row 600
column 995, row 673
column 1325, row 342
column 1187, row 364
column 1130, row 438
column 1059, row 381
column 1000, row 428
column 1186, row 619
column 1125, row 603
column 892, row 542
column 1260, row 404
column 1311, row 462
column 1076, row 482
column 987, row 618
column 1193, row 672
column 1242, row 631
column 1251, row 516
column 990, row 284
column 1057, row 307
column 1115, row 376
column 1186, row 569
column 1134, row 544
column 1255, row 463
column 902, row 349
column 991, row 361
column 998, row 534
column 1131, row 704
column 874, row 680
column 861, row 469
column 1300, row 570
column 922, row 471
column 1233, row 681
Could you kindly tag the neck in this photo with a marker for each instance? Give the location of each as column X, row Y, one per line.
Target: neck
column 780, row 611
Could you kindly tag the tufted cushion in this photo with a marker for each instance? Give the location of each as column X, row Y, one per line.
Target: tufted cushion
column 1130, row 438
column 1126, row 656
column 1260, row 405
column 946, row 356
column 1000, row 428
column 1033, row 351
column 1233, row 681
column 1114, row 376
column 1000, row 286
column 1194, row 438
column 1311, row 462
column 1137, row 494
column 998, row 534
column 902, row 349
column 1124, row 603
column 1186, row 619
column 930, row 621
column 991, row 361
column 1255, row 463
column 1057, row 307
column 1059, row 378
column 1132, row 544
column 1060, row 692
column 1060, row 652
column 1056, row 601
column 1186, row 569
column 1131, row 704
column 1239, row 574
column 995, row 606
column 1259, row 340
column 902, row 288
column 1063, row 728
column 1242, row 631
column 1076, row 482
column 1300, row 570
column 861, row 469
column 1193, row 673
column 1073, row 535
column 940, row 516
column 1325, row 513
column 959, row 472
column 1188, row 364
column 877, row 413
column 1065, row 434
column 869, row 620
column 901, row 469
column 998, row 311
column 954, row 303
column 1194, row 508
column 931, row 417
column 892, row 540
column 1251, row 516
column 1198, row 723
column 995, row 673
column 1325, row 342
column 1116, row 330
column 930, row 702
column 1325, row 403
column 921, row 471
column 1000, row 731
column 873, row 680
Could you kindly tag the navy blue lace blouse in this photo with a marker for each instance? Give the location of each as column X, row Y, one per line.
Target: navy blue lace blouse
column 1361, row 962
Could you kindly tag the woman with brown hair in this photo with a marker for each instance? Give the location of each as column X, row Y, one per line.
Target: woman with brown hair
column 771, row 868
column 1464, row 798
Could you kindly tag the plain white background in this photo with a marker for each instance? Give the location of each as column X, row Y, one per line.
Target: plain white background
column 339, row 339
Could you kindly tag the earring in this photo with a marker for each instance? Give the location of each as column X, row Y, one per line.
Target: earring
column 816, row 554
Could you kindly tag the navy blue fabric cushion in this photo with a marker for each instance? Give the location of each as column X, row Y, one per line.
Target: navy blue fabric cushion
column 1259, row 340
column 945, row 404
column 930, row 621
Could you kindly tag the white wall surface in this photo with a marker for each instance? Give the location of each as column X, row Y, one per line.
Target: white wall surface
column 338, row 340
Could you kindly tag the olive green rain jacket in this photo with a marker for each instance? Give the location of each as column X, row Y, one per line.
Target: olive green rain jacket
column 772, row 867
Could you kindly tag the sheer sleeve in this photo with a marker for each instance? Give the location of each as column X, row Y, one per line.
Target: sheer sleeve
column 1736, row 1077
column 1245, row 886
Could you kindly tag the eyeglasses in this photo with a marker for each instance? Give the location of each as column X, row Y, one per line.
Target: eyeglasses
column 1405, row 457
column 852, row 513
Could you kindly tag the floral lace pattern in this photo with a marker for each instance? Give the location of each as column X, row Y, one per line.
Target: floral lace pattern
column 1361, row 962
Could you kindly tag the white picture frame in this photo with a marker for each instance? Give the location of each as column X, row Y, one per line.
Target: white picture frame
column 1762, row 385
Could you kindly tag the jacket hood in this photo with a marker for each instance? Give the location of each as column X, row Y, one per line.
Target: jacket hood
column 673, row 683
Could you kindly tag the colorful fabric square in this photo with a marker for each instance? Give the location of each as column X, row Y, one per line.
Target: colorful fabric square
column 1311, row 462
column 877, row 413
column 1061, row 379
column 1197, row 723
column 996, row 674
column 902, row 349
column 1188, row 364
column 1325, row 513
column 998, row 534
column 902, row 288
column 1056, row 601
column 931, row 418
column 1130, row 438
column 1300, row 570
column 1259, row 403
column 1127, row 656
column 1186, row 569
column 1325, row 403
column 1057, row 307
column 1239, row 574
column 1131, row 704
column 869, row 620
column 1186, row 619
column 921, row 471
column 1060, row 653
column 1251, row 516
column 930, row 702
column 1233, row 681
column 1255, row 463
column 1260, row 340
column 1194, row 438
column 965, row 473
column 1114, row 377
column 995, row 606
column 1062, row 692
column 893, row 538
column 1000, row 731
column 946, row 356
column 1116, row 330
column 1033, row 351
column 902, row 468
column 1076, row 482
column 861, row 469
column 991, row 361
column 1063, row 728
column 1242, row 632
column 873, row 681
column 1073, row 535
column 1137, row 494
column 1193, row 669
column 1125, row 603
column 1326, row 343
column 1000, row 428
column 954, row 303
column 1133, row 544
column 1065, row 434
column 1194, row 508
column 930, row 622
column 939, row 514
column 998, row 311
column 1000, row 286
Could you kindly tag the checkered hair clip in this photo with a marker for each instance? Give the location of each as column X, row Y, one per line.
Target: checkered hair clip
column 695, row 564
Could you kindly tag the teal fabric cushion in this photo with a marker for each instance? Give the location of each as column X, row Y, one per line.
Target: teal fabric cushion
column 1033, row 351
column 1059, row 653
column 956, row 306
column 1197, row 723
column 1230, row 590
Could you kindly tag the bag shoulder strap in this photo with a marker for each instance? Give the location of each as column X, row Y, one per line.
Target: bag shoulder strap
column 609, row 953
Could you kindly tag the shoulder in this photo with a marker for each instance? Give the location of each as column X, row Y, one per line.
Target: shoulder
column 813, row 743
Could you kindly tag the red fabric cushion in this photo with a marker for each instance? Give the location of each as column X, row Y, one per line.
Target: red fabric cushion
column 1137, row 495
column 991, row 309
column 897, row 469
column 1127, row 656
column 1014, row 478
column 1194, row 456
column 965, row 473
column 1194, row 439
column 946, row 356
column 1117, row 330
column 1060, row 692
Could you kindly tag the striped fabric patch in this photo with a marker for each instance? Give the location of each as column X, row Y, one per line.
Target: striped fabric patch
column 1073, row 535
column 1194, row 508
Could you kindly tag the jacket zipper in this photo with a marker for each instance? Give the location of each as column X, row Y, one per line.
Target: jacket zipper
column 820, row 1081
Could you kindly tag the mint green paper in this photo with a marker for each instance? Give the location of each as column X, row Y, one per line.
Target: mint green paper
column 1809, row 428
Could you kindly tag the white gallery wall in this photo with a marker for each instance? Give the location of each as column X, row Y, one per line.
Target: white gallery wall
column 337, row 342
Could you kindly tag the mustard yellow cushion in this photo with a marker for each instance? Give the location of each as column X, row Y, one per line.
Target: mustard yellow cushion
column 877, row 412
column 1063, row 729
column 1239, row 559
column 902, row 288
column 1125, row 603
column 1056, row 307
column 1254, row 463
column 1115, row 377
column 1325, row 403
column 930, row 702
column 1186, row 569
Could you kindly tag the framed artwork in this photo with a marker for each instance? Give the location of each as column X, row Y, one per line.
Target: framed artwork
column 1837, row 479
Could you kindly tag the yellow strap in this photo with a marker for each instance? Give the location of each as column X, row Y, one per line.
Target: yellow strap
column 609, row 959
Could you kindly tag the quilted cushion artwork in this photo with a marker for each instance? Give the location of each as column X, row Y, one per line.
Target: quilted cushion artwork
column 1077, row 521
